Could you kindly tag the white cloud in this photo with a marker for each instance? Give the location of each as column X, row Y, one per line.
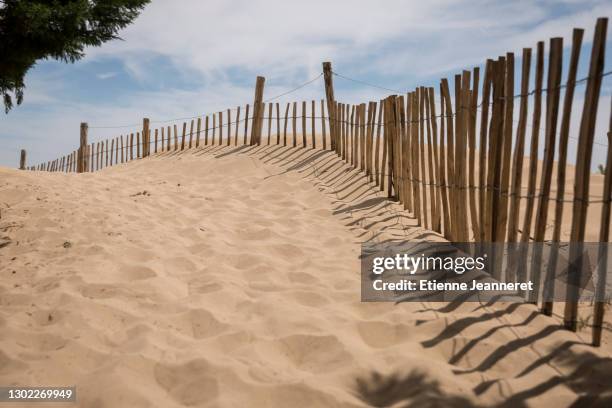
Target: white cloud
column 106, row 75
column 405, row 42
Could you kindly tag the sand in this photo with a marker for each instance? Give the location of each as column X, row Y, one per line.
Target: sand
column 230, row 277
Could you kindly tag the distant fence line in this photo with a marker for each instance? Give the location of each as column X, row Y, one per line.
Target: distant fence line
column 459, row 176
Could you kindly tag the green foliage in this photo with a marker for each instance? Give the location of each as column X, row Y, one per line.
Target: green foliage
column 58, row 29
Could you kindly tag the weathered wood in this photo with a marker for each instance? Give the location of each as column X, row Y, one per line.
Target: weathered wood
column 220, row 128
column 82, row 155
column 449, row 152
column 22, row 160
column 303, row 123
column 237, row 126
column 294, row 124
column 604, row 237
column 285, row 125
column 168, row 129
column 246, row 124
column 482, row 159
column 191, row 125
column 323, row 131
column 377, row 157
column 257, row 111
column 183, row 135
column 472, row 105
column 205, row 132
column 583, row 170
column 270, row 106
column 408, row 119
column 390, row 122
column 156, row 134
column 312, row 124
column 351, row 136
column 519, row 153
column 97, row 156
column 415, row 159
column 533, row 164
column 370, row 139
column 214, row 129
column 495, row 151
column 146, row 136
column 112, row 147
column 437, row 222
column 229, row 127
column 343, row 130
column 422, row 158
column 552, row 110
column 277, row 123
column 199, row 131
column 329, row 96
column 549, row 287
column 362, row 140
column 404, row 152
column 430, row 161
column 507, row 128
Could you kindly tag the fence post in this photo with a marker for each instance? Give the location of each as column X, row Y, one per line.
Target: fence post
column 82, row 155
column 329, row 96
column 145, row 137
column 22, row 160
column 257, row 111
column 583, row 172
column 600, row 305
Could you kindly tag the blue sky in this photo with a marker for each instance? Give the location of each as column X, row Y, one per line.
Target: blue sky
column 186, row 57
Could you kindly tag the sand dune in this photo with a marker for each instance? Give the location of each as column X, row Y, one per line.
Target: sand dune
column 229, row 276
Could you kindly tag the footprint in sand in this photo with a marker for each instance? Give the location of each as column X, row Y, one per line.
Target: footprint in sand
column 192, row 383
column 137, row 272
column 379, row 334
column 313, row 353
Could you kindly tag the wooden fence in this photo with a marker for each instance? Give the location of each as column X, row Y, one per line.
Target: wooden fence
column 458, row 171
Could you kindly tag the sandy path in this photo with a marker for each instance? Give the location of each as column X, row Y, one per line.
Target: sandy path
column 230, row 277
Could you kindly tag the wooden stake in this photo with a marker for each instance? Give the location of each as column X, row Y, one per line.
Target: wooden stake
column 303, row 123
column 482, row 159
column 214, row 129
column 22, row 160
column 246, row 124
column 270, row 106
column 377, row 158
column 312, row 124
column 552, row 110
column 519, row 152
column 549, row 287
column 285, row 127
column 237, row 126
column 82, row 159
column 146, row 136
column 229, row 126
column 199, row 130
column 294, row 124
column 329, row 96
column 583, row 171
column 191, row 133
column 604, row 238
column 257, row 111
column 278, row 133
